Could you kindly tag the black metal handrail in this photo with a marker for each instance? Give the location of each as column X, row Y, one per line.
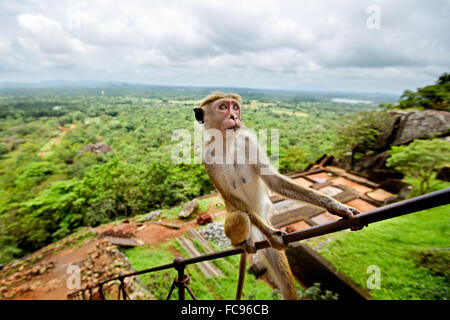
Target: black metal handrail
column 427, row 201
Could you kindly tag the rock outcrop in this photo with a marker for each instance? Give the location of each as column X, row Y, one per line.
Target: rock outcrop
column 406, row 127
column 421, row 124
column 98, row 148
column 189, row 209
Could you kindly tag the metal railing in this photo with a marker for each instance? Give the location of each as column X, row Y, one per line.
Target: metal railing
column 423, row 202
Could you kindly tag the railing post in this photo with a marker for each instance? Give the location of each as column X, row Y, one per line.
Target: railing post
column 122, row 287
column 100, row 290
column 179, row 266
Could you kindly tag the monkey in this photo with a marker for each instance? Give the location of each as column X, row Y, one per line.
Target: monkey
column 244, row 187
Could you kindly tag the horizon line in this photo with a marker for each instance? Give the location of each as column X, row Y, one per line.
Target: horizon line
column 72, row 83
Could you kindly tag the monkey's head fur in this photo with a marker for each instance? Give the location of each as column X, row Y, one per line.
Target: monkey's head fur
column 220, row 111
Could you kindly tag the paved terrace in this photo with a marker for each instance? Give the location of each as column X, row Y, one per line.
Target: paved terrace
column 355, row 191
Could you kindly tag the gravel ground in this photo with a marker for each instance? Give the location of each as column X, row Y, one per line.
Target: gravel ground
column 215, row 233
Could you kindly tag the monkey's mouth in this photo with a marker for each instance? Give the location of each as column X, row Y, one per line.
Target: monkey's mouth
column 234, row 128
column 231, row 124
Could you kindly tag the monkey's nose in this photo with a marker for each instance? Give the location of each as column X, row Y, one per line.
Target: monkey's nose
column 232, row 117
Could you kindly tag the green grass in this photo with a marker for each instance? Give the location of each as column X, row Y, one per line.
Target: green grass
column 172, row 214
column 435, row 184
column 411, row 252
column 146, row 257
column 219, row 288
column 203, row 206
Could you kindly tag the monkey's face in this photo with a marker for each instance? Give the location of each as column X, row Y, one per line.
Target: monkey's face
column 223, row 114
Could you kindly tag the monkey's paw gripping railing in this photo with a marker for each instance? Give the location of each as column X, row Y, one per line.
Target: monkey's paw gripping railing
column 427, row 201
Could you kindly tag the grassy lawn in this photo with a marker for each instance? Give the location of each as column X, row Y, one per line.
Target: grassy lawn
column 435, row 185
column 412, row 252
column 219, row 288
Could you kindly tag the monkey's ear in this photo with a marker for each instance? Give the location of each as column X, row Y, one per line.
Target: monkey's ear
column 199, row 115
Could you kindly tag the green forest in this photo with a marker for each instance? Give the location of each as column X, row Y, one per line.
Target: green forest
column 53, row 180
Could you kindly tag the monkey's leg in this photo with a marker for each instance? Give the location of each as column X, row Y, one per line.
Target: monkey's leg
column 274, row 236
column 237, row 229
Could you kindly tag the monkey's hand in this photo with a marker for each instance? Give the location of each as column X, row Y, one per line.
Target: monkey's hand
column 345, row 211
column 276, row 240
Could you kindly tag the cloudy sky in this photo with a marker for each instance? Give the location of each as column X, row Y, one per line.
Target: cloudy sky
column 372, row 46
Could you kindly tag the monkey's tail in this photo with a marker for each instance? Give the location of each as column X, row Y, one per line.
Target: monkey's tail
column 278, row 268
column 242, row 265
column 281, row 272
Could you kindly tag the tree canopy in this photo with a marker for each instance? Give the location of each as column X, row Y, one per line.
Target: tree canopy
column 421, row 158
column 435, row 96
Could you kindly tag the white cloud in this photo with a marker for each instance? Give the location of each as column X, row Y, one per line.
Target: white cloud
column 289, row 44
column 48, row 35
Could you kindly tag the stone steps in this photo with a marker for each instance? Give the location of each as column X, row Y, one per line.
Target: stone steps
column 207, row 267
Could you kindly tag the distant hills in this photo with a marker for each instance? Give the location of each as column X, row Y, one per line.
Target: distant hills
column 374, row 97
column 65, row 83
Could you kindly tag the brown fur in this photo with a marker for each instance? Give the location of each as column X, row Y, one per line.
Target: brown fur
column 216, row 95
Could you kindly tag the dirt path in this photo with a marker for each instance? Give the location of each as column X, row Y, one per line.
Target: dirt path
column 63, row 132
column 46, row 277
column 52, row 285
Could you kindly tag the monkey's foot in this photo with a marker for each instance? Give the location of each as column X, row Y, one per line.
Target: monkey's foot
column 276, row 240
column 248, row 246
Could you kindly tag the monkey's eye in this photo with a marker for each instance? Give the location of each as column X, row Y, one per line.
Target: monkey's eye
column 235, row 107
column 223, row 107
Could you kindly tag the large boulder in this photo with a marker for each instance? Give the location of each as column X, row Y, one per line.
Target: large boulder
column 421, row 124
column 409, row 125
column 98, row 148
column 151, row 216
column 373, row 167
column 189, row 209
column 204, row 218
column 405, row 127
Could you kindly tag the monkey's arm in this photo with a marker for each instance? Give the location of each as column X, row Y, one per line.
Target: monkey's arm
column 288, row 188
